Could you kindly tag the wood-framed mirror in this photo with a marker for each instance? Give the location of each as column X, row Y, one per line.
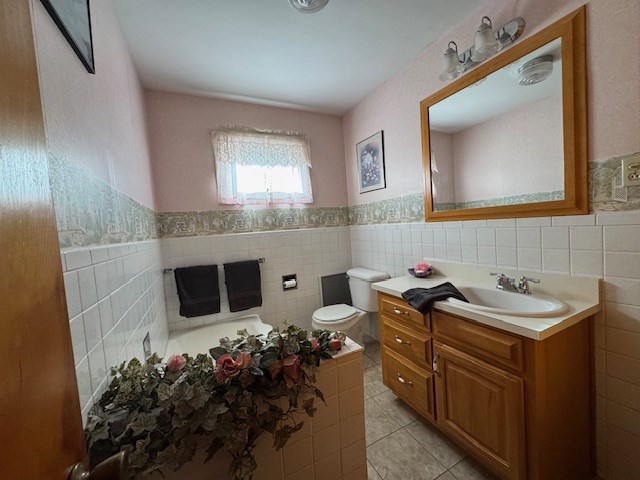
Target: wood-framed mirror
column 501, row 143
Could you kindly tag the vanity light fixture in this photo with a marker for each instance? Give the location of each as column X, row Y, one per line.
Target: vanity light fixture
column 487, row 42
column 308, row 6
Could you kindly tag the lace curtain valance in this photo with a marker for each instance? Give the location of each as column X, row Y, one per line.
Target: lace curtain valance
column 254, row 147
column 255, row 167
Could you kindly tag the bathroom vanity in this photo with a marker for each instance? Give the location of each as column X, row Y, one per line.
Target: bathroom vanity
column 513, row 391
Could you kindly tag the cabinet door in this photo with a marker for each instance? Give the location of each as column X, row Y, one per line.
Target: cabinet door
column 482, row 407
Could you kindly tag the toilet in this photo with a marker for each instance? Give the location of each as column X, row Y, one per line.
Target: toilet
column 348, row 299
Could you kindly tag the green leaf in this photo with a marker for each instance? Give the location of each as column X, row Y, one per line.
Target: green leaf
column 165, row 392
column 282, row 435
column 143, row 422
column 138, row 458
column 308, row 407
column 217, row 352
column 268, row 358
column 200, row 397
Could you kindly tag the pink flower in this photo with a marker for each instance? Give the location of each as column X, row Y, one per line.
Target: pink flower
column 291, row 369
column 227, row 367
column 335, row 344
column 275, row 369
column 175, row 363
column 314, row 344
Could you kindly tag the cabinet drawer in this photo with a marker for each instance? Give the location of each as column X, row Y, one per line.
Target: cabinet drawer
column 495, row 347
column 398, row 309
column 411, row 383
column 414, row 345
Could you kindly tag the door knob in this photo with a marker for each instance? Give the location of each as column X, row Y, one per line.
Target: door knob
column 113, row 468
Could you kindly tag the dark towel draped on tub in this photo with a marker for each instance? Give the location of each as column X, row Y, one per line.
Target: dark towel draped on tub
column 422, row 298
column 198, row 290
column 243, row 285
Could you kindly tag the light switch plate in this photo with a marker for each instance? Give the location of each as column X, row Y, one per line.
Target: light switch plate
column 631, row 171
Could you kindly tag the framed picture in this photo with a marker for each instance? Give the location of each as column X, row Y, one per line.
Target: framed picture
column 74, row 21
column 370, row 158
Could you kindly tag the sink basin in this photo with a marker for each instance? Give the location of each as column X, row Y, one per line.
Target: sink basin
column 510, row 303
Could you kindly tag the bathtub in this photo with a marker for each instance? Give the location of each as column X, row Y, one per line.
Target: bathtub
column 201, row 339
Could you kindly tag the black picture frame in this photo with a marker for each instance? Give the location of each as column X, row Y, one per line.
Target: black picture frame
column 73, row 18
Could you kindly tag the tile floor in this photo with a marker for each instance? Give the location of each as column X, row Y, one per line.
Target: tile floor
column 399, row 444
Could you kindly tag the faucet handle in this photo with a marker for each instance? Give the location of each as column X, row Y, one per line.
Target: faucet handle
column 529, row 279
column 523, row 284
column 496, row 274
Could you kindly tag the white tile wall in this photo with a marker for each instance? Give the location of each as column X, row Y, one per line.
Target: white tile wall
column 606, row 245
column 308, row 253
column 114, row 297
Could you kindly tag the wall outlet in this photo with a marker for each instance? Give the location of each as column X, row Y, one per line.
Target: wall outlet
column 631, row 171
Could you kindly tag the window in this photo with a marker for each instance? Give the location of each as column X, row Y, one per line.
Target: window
column 258, row 167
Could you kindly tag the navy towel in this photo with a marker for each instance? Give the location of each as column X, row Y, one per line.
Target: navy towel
column 243, row 285
column 198, row 290
column 422, row 298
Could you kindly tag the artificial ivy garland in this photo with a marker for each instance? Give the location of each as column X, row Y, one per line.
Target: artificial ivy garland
column 158, row 412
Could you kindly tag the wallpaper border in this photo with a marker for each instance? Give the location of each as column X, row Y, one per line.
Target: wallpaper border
column 90, row 212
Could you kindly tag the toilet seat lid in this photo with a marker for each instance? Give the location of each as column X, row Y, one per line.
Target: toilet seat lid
column 335, row 313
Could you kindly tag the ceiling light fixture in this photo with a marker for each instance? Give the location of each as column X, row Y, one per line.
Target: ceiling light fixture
column 486, row 44
column 308, row 6
column 535, row 71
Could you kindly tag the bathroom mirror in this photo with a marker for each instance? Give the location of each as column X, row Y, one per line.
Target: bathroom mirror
column 508, row 139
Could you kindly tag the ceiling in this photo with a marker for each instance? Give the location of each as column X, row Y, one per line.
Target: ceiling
column 263, row 51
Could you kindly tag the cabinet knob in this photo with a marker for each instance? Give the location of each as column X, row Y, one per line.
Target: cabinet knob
column 401, row 341
column 397, row 311
column 403, row 381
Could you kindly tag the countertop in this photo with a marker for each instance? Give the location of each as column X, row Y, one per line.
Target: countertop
column 581, row 305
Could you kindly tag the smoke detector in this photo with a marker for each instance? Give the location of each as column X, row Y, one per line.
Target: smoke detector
column 308, row 6
column 535, row 71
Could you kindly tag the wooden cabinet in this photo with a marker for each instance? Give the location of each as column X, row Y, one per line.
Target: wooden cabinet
column 521, row 407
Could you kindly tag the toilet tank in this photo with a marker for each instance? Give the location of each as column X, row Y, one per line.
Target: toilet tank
column 362, row 295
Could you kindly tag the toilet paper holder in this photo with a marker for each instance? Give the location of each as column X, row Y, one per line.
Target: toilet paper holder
column 289, row 282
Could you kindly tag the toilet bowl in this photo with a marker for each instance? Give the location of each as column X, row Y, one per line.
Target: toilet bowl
column 341, row 317
column 338, row 293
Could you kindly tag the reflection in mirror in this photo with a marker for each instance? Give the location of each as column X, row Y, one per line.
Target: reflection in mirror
column 499, row 141
column 508, row 139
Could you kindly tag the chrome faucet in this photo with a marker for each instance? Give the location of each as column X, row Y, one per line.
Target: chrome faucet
column 505, row 283
column 508, row 284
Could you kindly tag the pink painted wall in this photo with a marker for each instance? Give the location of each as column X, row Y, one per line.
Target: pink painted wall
column 180, row 145
column 613, row 55
column 96, row 121
column 514, row 161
